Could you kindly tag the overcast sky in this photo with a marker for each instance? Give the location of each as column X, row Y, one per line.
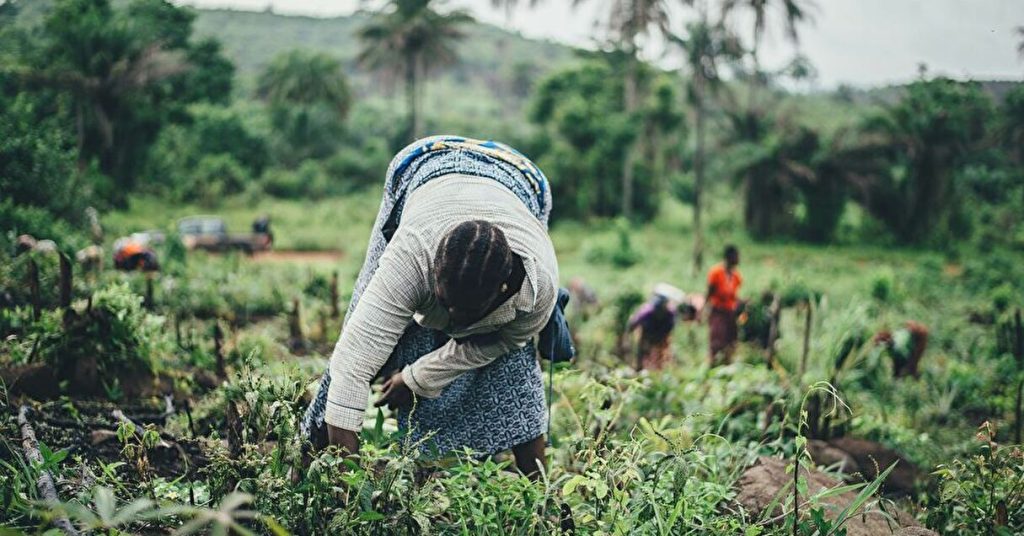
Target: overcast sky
column 859, row 42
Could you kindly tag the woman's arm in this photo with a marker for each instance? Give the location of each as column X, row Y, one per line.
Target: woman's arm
column 370, row 335
column 639, row 316
column 429, row 375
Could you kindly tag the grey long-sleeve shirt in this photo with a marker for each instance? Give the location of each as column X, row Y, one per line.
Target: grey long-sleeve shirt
column 402, row 291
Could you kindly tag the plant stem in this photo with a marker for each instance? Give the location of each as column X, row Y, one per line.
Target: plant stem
column 796, row 494
column 807, row 342
column 44, row 481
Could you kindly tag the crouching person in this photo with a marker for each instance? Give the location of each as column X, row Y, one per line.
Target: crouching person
column 459, row 277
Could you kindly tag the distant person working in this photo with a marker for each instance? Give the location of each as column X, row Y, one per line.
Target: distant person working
column 655, row 320
column 724, row 282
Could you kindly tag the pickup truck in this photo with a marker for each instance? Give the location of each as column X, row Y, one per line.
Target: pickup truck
column 211, row 233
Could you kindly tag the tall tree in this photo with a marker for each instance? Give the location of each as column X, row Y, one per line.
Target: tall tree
column 1020, row 35
column 749, row 123
column 304, row 77
column 705, row 46
column 408, row 39
column 126, row 73
column 917, row 146
column 631, row 22
column 308, row 98
column 793, row 12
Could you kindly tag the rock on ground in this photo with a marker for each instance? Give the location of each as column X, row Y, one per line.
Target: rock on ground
column 871, row 457
column 760, row 485
column 826, row 455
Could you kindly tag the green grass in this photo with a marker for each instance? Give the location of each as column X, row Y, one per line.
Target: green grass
column 337, row 224
column 843, row 272
column 630, row 451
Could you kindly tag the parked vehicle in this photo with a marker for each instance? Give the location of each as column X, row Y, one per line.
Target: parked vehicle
column 211, row 233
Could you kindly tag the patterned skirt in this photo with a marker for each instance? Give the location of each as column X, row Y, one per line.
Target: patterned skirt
column 487, row 410
column 655, row 354
column 723, row 334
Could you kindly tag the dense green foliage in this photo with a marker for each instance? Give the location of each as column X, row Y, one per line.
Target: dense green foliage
column 136, row 104
column 925, row 169
column 308, row 98
column 213, row 154
column 407, row 40
column 585, row 135
column 125, row 73
column 42, row 188
column 651, row 452
column 936, row 129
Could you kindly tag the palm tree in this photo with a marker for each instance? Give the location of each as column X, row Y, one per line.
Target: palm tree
column 409, row 38
column 705, row 46
column 1020, row 47
column 114, row 78
column 301, row 77
column 911, row 154
column 308, row 97
column 630, row 21
column 794, row 12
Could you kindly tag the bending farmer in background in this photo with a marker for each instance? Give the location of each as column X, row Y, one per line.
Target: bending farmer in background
column 655, row 319
column 460, row 276
column 723, row 283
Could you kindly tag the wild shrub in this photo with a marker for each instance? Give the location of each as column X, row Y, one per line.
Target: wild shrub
column 115, row 330
column 618, row 251
column 981, row 492
column 882, row 287
column 110, row 329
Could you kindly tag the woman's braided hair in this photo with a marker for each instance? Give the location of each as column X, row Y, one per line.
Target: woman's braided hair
column 472, row 262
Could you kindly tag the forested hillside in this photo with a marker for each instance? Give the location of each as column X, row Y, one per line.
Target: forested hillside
column 490, row 57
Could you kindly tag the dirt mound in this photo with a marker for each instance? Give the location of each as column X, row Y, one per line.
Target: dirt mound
column 872, row 457
column 762, row 483
column 40, row 381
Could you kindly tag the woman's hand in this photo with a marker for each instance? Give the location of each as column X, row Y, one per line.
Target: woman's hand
column 396, row 393
column 345, row 439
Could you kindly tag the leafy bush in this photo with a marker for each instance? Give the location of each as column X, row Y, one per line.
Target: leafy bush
column 585, row 137
column 212, row 156
column 309, row 181
column 358, row 165
column 798, row 292
column 39, row 222
column 882, row 287
column 928, row 136
column 983, row 490
column 38, row 163
column 619, row 253
column 214, row 178
column 1002, row 296
column 308, row 98
column 110, row 334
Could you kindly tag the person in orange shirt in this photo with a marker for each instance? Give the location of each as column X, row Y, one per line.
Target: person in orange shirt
column 723, row 283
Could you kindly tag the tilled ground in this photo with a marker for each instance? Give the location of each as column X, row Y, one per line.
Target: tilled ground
column 88, row 428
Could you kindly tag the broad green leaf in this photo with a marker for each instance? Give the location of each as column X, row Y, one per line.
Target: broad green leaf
column 371, row 516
